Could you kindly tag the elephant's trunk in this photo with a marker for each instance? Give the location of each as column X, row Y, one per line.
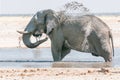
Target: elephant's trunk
column 29, row 44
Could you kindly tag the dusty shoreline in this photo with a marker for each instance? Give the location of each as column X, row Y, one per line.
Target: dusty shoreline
column 60, row 74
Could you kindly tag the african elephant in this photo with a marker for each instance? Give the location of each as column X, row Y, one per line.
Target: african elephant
column 87, row 33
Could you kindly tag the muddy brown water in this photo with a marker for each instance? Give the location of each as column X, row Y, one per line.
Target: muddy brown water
column 42, row 58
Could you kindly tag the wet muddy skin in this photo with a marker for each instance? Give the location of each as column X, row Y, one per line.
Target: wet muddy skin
column 42, row 58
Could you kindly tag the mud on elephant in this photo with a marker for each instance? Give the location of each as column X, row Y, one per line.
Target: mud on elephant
column 86, row 34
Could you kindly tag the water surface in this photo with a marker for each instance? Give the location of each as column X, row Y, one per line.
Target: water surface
column 40, row 58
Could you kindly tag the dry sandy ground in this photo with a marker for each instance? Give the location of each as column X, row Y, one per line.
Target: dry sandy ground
column 10, row 38
column 60, row 74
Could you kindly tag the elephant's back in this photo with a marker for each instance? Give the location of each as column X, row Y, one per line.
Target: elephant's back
column 75, row 28
column 78, row 21
column 96, row 23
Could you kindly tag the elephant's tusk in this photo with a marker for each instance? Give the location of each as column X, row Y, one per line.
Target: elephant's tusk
column 23, row 32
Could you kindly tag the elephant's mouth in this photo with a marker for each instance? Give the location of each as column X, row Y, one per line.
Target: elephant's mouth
column 37, row 35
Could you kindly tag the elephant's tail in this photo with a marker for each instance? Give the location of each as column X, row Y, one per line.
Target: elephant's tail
column 110, row 34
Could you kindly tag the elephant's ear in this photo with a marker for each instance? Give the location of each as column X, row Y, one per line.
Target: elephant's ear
column 51, row 22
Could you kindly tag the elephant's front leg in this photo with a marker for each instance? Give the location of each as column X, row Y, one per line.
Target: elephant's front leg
column 56, row 53
column 57, row 41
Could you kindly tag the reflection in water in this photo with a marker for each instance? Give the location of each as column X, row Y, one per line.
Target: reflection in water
column 68, row 65
column 81, row 64
column 36, row 53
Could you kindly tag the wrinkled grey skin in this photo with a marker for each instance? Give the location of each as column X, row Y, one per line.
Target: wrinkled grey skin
column 86, row 34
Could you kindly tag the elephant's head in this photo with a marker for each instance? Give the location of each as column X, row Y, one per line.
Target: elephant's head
column 42, row 22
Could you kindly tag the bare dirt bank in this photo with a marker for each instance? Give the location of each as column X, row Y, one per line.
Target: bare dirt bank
column 60, row 74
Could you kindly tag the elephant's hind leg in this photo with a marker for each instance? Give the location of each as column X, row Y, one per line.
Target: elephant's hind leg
column 101, row 49
column 107, row 52
column 94, row 43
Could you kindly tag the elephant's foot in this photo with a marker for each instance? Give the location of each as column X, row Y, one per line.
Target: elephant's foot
column 57, row 59
column 107, row 59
